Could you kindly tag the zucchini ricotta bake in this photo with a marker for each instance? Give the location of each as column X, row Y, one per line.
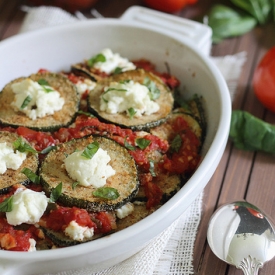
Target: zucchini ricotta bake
column 91, row 151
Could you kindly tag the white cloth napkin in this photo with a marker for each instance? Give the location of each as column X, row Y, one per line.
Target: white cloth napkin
column 172, row 251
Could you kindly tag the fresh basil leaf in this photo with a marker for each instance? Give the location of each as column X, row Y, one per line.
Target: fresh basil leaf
column 154, row 92
column 85, row 113
column 6, row 205
column 142, row 143
column 90, row 150
column 43, row 82
column 22, row 146
column 117, row 70
column 129, row 146
column 74, row 185
column 107, row 193
column 31, row 175
column 95, row 59
column 56, row 192
column 261, row 10
column 152, row 168
column 26, row 102
column 47, row 150
column 131, row 112
column 175, row 144
column 226, row 22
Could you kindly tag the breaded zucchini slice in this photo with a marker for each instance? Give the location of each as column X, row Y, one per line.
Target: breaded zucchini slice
column 62, row 118
column 11, row 177
column 165, row 101
column 125, row 180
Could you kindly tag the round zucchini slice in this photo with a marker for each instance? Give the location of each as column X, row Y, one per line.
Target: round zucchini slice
column 11, row 177
column 165, row 101
column 62, row 118
column 125, row 180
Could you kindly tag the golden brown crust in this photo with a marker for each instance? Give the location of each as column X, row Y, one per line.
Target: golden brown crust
column 11, row 177
column 165, row 101
column 62, row 118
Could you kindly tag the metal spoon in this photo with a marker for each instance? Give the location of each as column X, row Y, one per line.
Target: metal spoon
column 241, row 235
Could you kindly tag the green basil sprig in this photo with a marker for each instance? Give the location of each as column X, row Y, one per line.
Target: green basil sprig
column 45, row 85
column 22, row 146
column 26, row 102
column 56, row 192
column 6, row 205
column 175, row 144
column 251, row 133
column 227, row 22
column 95, row 59
column 154, row 92
column 31, row 175
column 107, row 193
column 90, row 150
column 142, row 143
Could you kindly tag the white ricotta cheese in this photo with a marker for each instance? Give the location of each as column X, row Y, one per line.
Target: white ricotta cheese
column 83, row 86
column 119, row 97
column 113, row 61
column 28, row 207
column 125, row 210
column 32, row 245
column 39, row 102
column 10, row 159
column 77, row 232
column 87, row 172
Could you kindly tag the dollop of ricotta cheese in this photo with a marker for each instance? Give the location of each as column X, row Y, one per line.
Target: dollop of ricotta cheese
column 36, row 100
column 27, row 207
column 87, row 172
column 10, row 159
column 125, row 210
column 77, row 232
column 83, row 86
column 120, row 97
column 112, row 62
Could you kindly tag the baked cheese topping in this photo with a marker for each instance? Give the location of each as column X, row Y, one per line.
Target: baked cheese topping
column 89, row 172
column 128, row 96
column 36, row 100
column 112, row 62
column 10, row 159
column 125, row 210
column 77, row 232
column 27, row 207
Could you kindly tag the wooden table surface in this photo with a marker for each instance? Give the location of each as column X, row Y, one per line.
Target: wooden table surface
column 240, row 174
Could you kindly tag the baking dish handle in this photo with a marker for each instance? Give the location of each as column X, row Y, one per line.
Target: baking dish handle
column 198, row 33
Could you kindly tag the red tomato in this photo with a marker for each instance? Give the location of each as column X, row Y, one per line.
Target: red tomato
column 264, row 80
column 168, row 5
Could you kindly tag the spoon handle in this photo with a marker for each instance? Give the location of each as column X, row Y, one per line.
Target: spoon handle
column 250, row 266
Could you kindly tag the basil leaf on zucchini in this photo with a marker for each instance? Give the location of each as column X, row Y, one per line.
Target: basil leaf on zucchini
column 6, row 205
column 56, row 192
column 107, row 193
column 154, row 92
column 31, row 175
column 90, row 150
column 22, row 146
column 251, row 133
column 26, row 102
column 95, row 59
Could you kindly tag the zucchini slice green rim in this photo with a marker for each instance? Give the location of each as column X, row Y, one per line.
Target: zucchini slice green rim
column 125, row 180
column 165, row 101
column 62, row 118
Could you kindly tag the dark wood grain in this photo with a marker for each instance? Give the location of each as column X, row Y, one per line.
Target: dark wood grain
column 240, row 174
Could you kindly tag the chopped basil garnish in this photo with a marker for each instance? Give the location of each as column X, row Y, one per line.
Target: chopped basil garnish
column 43, row 82
column 90, row 150
column 107, row 193
column 131, row 112
column 117, row 70
column 129, row 146
column 22, row 146
column 152, row 168
column 175, row 144
column 74, row 185
column 142, row 143
column 95, row 59
column 26, row 102
column 31, row 175
column 56, row 192
column 85, row 113
column 47, row 150
column 154, row 92
column 6, row 205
